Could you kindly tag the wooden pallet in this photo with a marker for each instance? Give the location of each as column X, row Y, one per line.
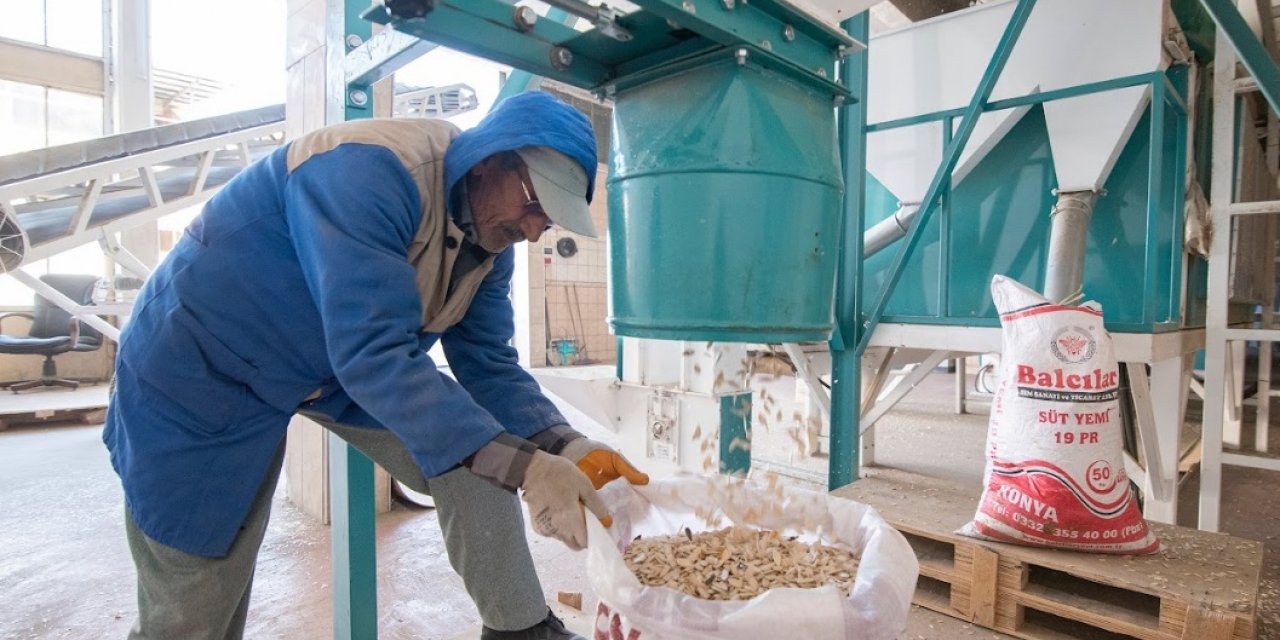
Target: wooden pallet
column 83, row 415
column 1200, row 586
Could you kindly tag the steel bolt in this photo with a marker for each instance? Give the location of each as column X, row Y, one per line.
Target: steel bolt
column 822, row 71
column 524, row 17
column 728, row 4
column 561, row 58
column 788, row 33
column 689, row 6
column 741, row 55
column 839, row 101
column 358, row 97
column 766, row 45
column 354, row 40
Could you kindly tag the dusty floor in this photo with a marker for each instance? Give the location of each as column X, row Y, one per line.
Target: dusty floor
column 65, row 570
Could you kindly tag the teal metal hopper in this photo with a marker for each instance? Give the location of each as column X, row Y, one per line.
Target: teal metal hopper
column 724, row 206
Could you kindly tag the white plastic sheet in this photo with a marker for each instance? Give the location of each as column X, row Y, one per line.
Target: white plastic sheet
column 876, row 610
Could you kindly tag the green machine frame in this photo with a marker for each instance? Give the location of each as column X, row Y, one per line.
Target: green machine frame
column 853, row 329
column 1156, row 266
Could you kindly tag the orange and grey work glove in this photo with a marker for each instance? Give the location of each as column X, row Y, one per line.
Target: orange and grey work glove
column 554, row 488
column 597, row 460
column 556, row 491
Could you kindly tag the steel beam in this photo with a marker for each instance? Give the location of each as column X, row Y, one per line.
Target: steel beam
column 351, row 481
column 1221, row 195
column 385, row 53
column 742, row 23
column 1254, row 56
column 355, row 575
column 904, row 385
column 846, row 362
column 487, row 28
column 66, row 304
column 1251, row 461
column 1148, row 431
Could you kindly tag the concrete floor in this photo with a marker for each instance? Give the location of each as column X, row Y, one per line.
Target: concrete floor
column 66, row 572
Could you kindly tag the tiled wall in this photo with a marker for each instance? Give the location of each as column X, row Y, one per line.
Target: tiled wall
column 576, row 295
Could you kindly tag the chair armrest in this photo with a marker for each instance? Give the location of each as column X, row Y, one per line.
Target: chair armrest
column 20, row 314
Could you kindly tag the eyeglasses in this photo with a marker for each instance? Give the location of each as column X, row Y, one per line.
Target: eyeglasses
column 531, row 206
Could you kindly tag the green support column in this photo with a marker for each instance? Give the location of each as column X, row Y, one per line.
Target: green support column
column 846, row 361
column 355, row 561
column 351, row 492
column 1155, row 202
column 735, row 434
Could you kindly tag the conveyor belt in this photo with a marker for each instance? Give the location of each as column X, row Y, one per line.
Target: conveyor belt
column 45, row 221
column 31, row 164
column 57, row 198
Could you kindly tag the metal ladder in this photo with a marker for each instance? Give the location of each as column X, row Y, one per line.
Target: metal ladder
column 1223, row 342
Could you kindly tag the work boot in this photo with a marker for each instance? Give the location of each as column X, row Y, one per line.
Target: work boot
column 550, row 628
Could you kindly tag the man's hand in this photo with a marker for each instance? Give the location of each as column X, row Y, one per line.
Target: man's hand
column 556, row 490
column 601, row 463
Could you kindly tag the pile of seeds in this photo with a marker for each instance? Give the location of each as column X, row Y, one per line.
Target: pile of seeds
column 737, row 563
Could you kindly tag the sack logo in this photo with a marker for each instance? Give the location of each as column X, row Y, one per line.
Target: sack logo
column 1073, row 345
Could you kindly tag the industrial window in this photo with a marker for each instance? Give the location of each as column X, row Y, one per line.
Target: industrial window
column 36, row 117
column 72, row 25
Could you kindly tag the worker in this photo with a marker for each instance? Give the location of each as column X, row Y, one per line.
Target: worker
column 315, row 282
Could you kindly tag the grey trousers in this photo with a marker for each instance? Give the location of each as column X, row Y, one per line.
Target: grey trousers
column 188, row 597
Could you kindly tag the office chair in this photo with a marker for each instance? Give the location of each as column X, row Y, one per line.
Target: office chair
column 53, row 330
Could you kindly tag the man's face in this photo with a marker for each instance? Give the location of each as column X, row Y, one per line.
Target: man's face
column 504, row 207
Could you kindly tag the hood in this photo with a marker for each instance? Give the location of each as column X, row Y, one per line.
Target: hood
column 529, row 119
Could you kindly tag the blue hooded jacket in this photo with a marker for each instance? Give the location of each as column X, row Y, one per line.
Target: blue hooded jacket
column 293, row 281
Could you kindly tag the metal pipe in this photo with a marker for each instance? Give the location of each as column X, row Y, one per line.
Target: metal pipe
column 577, row 8
column 889, row 230
column 602, row 16
column 1064, row 271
